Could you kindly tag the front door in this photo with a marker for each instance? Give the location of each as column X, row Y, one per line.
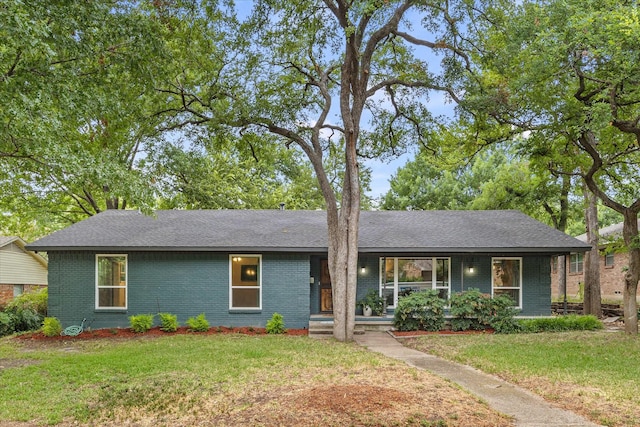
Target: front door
column 326, row 299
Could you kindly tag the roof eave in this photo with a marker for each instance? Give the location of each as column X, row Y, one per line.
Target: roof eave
column 368, row 250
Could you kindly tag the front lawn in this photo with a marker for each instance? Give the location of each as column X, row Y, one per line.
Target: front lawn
column 227, row 379
column 596, row 374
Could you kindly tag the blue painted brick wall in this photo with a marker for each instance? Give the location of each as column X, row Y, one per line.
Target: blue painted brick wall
column 185, row 284
column 536, row 279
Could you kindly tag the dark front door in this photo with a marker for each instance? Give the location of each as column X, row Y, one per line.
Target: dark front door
column 326, row 299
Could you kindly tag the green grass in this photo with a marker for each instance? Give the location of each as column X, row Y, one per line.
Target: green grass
column 605, row 364
column 155, row 374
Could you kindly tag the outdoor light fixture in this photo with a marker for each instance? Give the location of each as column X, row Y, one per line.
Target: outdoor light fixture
column 362, row 269
column 471, row 269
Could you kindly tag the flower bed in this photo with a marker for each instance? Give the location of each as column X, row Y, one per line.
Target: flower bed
column 128, row 333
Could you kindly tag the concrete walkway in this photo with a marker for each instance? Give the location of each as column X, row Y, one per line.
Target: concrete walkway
column 528, row 409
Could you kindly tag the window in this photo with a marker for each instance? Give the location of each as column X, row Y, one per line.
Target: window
column 576, row 263
column 609, row 260
column 506, row 278
column 18, row 290
column 402, row 276
column 111, row 281
column 245, row 281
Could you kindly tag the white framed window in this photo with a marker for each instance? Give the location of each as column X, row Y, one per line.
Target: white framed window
column 245, row 282
column 506, row 278
column 400, row 276
column 111, row 281
column 609, row 260
column 576, row 263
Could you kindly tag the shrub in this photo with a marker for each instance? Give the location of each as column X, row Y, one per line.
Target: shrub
column 470, row 310
column 141, row 323
column 502, row 315
column 198, row 324
column 168, row 322
column 422, row 310
column 25, row 320
column 51, row 327
column 6, row 324
column 275, row 325
column 34, row 301
column 571, row 322
column 26, row 312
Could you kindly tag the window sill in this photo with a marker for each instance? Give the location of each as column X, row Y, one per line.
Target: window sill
column 110, row 310
column 245, row 310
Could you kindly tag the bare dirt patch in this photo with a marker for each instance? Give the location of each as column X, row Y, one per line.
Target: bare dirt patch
column 397, row 396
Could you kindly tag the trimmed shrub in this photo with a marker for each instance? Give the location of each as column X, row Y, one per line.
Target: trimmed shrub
column 168, row 322
column 571, row 322
column 141, row 323
column 198, row 324
column 422, row 310
column 502, row 315
column 470, row 309
column 51, row 327
column 275, row 325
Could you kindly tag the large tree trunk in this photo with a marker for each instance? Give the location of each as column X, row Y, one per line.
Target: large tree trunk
column 632, row 275
column 592, row 299
column 343, row 248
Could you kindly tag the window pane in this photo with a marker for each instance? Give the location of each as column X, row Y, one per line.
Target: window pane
column 609, row 260
column 112, row 297
column 245, row 271
column 246, row 297
column 506, row 273
column 442, row 273
column 576, row 264
column 112, row 271
column 415, row 270
column 388, row 283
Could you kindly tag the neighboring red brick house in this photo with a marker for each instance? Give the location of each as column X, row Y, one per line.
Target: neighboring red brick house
column 612, row 266
column 20, row 270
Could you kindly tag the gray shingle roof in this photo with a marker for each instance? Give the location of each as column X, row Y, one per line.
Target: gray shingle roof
column 5, row 240
column 608, row 233
column 306, row 231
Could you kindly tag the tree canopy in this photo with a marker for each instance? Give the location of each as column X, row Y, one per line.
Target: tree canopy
column 567, row 71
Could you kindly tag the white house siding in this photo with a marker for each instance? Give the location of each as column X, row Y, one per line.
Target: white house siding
column 19, row 268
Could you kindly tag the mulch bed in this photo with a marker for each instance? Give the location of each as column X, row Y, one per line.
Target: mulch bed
column 154, row 332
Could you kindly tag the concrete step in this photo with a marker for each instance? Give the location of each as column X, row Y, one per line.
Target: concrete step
column 324, row 329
